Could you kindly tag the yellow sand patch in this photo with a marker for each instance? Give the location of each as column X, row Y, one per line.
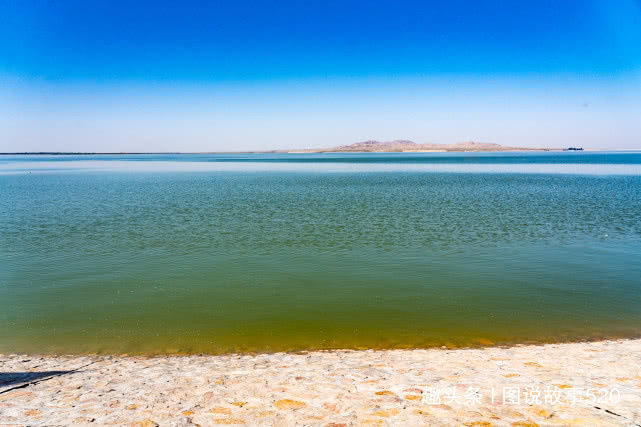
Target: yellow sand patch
column 131, row 407
column 187, row 413
column 524, row 424
column 239, row 404
column 412, row 397
column 220, row 410
column 484, row 341
column 386, row 412
column 228, row 421
column 288, row 404
column 315, row 417
column 511, row 375
column 384, row 393
column 374, row 422
column 541, row 412
column 532, row 364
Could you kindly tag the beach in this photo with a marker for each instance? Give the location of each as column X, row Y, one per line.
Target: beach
column 597, row 383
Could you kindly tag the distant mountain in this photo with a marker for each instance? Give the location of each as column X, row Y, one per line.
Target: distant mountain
column 410, row 146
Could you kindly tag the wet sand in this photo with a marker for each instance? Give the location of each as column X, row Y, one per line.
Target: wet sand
column 555, row 384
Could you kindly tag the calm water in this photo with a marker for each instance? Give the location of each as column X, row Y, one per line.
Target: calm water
column 215, row 253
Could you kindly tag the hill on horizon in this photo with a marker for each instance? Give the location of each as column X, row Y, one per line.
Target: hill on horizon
column 402, row 145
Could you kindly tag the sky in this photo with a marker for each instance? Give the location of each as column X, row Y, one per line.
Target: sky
column 242, row 75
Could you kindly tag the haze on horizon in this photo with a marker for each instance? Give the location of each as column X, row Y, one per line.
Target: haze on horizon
column 252, row 75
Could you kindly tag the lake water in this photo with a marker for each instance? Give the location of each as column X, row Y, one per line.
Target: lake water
column 268, row 252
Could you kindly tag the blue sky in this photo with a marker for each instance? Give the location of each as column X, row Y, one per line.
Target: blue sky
column 209, row 76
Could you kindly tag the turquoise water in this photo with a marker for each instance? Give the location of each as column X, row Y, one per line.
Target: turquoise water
column 265, row 252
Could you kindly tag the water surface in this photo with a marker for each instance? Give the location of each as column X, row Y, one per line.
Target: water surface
column 216, row 253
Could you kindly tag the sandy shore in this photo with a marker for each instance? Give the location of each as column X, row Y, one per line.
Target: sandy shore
column 556, row 384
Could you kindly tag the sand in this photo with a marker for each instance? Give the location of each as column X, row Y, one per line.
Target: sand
column 390, row 387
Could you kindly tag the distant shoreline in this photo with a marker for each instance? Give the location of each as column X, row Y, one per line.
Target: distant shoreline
column 310, row 151
column 71, row 153
column 369, row 146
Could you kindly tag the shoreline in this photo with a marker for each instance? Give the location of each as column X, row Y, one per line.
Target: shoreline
column 476, row 344
column 320, row 151
column 329, row 387
column 307, row 151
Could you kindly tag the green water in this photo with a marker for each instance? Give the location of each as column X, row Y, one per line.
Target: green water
column 126, row 259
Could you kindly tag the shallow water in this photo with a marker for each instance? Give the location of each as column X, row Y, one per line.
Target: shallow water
column 215, row 253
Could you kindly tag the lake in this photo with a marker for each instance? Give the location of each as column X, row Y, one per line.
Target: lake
column 211, row 253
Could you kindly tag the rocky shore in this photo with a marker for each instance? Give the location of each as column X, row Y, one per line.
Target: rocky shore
column 556, row 384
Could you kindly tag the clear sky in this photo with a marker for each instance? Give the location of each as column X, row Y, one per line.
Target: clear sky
column 243, row 75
